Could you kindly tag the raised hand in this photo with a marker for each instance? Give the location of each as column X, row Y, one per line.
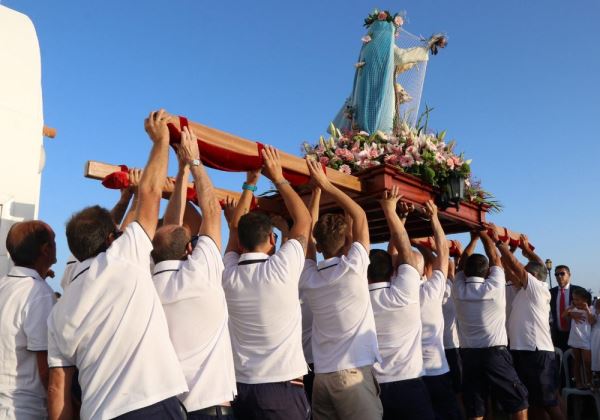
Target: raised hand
column 135, row 175
column 253, row 176
column 492, row 233
column 229, row 208
column 156, row 126
column 389, row 199
column 431, row 209
column 317, row 175
column 188, row 148
column 272, row 164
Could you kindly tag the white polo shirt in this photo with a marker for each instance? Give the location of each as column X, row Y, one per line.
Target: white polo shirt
column 529, row 324
column 451, row 340
column 481, row 309
column 111, row 325
column 432, row 318
column 398, row 319
column 194, row 304
column 511, row 292
column 70, row 271
column 25, row 303
column 337, row 291
column 265, row 320
column 307, row 321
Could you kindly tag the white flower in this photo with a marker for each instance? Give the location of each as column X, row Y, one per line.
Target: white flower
column 359, row 64
column 366, row 39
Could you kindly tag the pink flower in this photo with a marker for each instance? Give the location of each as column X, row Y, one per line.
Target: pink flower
column 366, row 39
column 407, row 161
column 320, row 150
column 439, row 158
column 450, row 163
column 324, row 160
column 457, row 160
column 345, row 169
column 345, row 154
column 382, row 16
column 391, row 159
column 398, row 21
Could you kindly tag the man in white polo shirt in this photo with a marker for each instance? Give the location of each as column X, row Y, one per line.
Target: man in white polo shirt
column 344, row 337
column 480, row 298
column 110, row 324
column 529, row 330
column 433, row 288
column 25, row 303
column 188, row 281
column 264, row 309
column 395, row 301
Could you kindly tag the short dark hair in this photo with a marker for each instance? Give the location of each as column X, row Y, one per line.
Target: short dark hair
column 380, row 266
column 538, row 270
column 25, row 240
column 253, row 230
column 564, row 267
column 330, row 233
column 170, row 246
column 477, row 266
column 88, row 230
column 584, row 294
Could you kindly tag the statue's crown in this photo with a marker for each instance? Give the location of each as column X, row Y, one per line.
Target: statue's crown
column 384, row 15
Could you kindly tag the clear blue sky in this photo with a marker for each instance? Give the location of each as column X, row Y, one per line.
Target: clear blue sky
column 517, row 88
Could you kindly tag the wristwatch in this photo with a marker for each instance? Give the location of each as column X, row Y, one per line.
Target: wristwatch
column 195, row 162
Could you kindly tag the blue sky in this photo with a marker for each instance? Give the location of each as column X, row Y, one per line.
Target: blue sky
column 517, row 88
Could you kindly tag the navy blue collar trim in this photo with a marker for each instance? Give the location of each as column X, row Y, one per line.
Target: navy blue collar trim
column 329, row 266
column 248, row 262
column 164, row 271
column 80, row 273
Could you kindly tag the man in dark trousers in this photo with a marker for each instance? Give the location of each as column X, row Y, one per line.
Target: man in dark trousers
column 560, row 299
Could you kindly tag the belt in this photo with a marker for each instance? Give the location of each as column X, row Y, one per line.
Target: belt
column 214, row 411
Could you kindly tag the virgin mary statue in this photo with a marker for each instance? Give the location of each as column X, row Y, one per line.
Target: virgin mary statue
column 376, row 97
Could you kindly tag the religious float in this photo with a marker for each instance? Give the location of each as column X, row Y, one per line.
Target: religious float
column 375, row 141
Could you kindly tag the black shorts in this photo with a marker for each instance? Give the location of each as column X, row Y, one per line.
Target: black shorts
column 455, row 365
column 169, row 409
column 537, row 370
column 406, row 399
column 491, row 369
column 271, row 401
column 443, row 400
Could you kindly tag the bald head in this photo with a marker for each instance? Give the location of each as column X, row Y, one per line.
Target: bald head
column 31, row 243
column 170, row 243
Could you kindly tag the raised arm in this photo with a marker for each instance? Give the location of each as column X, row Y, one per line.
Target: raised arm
column 441, row 245
column 514, row 268
column 60, row 405
column 155, row 172
column 294, row 204
column 176, row 206
column 242, row 207
column 118, row 211
column 313, row 207
column 468, row 251
column 207, row 200
column 134, row 181
column 527, row 251
column 490, row 249
column 360, row 228
column 398, row 235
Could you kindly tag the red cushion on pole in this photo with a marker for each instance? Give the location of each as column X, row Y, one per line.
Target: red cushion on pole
column 117, row 180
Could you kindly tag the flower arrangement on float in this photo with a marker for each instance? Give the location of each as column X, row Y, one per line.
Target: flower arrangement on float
column 411, row 150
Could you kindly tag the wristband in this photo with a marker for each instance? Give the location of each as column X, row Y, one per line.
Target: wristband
column 194, row 162
column 284, row 182
column 248, row 187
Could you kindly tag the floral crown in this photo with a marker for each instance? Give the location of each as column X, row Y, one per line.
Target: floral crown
column 384, row 15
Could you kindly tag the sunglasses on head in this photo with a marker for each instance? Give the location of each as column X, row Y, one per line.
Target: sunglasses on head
column 194, row 240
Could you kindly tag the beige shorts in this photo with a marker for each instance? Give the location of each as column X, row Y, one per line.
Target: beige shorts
column 346, row 395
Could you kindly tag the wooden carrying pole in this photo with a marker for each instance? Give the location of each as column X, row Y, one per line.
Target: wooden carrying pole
column 99, row 170
column 247, row 147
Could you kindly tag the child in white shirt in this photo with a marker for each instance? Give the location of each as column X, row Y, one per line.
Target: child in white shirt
column 580, row 336
column 595, row 346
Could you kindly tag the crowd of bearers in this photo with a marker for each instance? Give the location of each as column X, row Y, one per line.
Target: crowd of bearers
column 154, row 323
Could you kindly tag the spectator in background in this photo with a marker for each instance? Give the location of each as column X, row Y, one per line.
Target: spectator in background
column 25, row 303
column 561, row 299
